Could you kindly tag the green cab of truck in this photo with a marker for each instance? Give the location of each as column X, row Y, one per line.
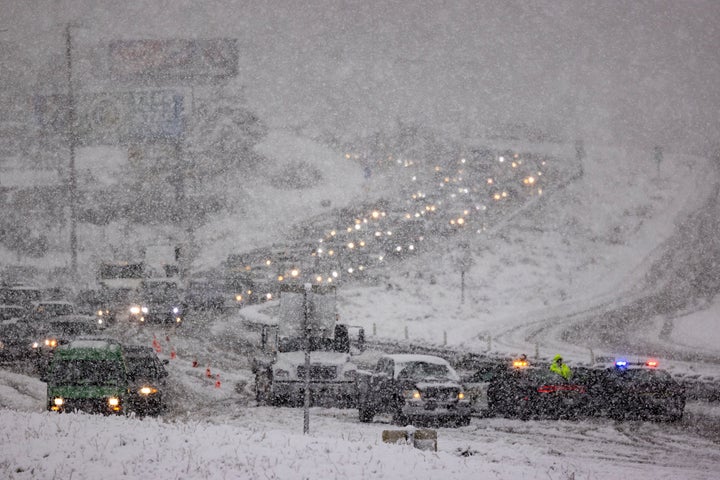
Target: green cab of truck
column 88, row 376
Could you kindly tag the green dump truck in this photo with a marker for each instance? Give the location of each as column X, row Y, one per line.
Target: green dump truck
column 88, row 376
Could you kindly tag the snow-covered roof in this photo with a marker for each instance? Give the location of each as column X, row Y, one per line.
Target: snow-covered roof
column 405, row 358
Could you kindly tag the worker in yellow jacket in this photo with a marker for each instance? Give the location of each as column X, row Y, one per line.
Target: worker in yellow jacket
column 559, row 367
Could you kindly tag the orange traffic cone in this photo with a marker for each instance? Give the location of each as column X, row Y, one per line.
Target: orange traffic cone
column 156, row 345
column 217, row 380
column 207, row 372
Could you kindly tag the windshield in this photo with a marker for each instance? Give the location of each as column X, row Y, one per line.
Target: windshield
column 427, row 371
column 135, row 270
column 160, row 292
column 87, row 372
column 71, row 328
column 142, row 368
column 9, row 312
column 55, row 309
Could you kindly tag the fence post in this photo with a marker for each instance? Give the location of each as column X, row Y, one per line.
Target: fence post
column 406, row 332
column 374, row 329
column 537, row 351
column 444, row 337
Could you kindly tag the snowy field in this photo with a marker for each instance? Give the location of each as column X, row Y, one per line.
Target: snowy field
column 230, row 439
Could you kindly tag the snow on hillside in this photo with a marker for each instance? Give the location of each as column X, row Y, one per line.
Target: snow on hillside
column 593, row 240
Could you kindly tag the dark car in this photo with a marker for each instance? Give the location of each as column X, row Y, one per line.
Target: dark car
column 47, row 309
column 9, row 312
column 16, row 340
column 61, row 330
column 638, row 392
column 146, row 378
column 476, row 381
column 160, row 301
column 22, row 295
column 536, row 392
column 204, row 294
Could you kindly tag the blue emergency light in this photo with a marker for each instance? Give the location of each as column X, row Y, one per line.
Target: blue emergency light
column 621, row 363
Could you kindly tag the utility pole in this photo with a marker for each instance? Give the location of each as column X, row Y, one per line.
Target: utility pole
column 72, row 143
column 306, row 330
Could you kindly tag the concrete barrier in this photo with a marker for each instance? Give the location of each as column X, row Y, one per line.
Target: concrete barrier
column 422, row 439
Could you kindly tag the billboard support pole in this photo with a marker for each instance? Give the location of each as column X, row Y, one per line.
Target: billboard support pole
column 72, row 142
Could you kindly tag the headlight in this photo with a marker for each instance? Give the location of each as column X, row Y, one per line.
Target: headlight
column 134, row 310
column 113, row 401
column 412, row 394
column 100, row 313
column 178, row 319
column 144, row 309
column 35, row 345
column 461, row 395
column 100, row 321
column 147, row 390
column 59, row 401
column 176, row 310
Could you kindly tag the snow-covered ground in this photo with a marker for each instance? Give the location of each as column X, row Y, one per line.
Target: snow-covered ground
column 583, row 247
column 219, row 434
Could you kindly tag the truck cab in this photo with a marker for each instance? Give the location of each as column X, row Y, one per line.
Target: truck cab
column 413, row 388
column 308, row 324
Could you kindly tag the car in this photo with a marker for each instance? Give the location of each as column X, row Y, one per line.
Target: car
column 16, row 340
column 47, row 309
column 20, row 294
column 61, row 330
column 637, row 391
column 146, row 379
column 536, row 392
column 160, row 301
column 9, row 312
column 476, row 383
column 87, row 375
column 203, row 294
column 413, row 388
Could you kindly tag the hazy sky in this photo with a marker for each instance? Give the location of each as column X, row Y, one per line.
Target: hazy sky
column 618, row 72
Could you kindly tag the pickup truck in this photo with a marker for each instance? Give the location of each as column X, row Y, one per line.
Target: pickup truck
column 413, row 388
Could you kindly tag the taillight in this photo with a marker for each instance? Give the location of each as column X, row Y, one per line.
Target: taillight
column 547, row 389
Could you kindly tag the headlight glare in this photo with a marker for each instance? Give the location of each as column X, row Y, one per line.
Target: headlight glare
column 147, row 390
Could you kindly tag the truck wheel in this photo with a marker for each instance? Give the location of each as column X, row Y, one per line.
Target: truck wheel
column 262, row 387
column 399, row 419
column 365, row 415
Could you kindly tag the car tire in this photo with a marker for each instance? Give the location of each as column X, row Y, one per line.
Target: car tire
column 365, row 415
column 399, row 419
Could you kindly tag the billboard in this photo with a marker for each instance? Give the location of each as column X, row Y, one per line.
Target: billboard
column 175, row 59
column 116, row 118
